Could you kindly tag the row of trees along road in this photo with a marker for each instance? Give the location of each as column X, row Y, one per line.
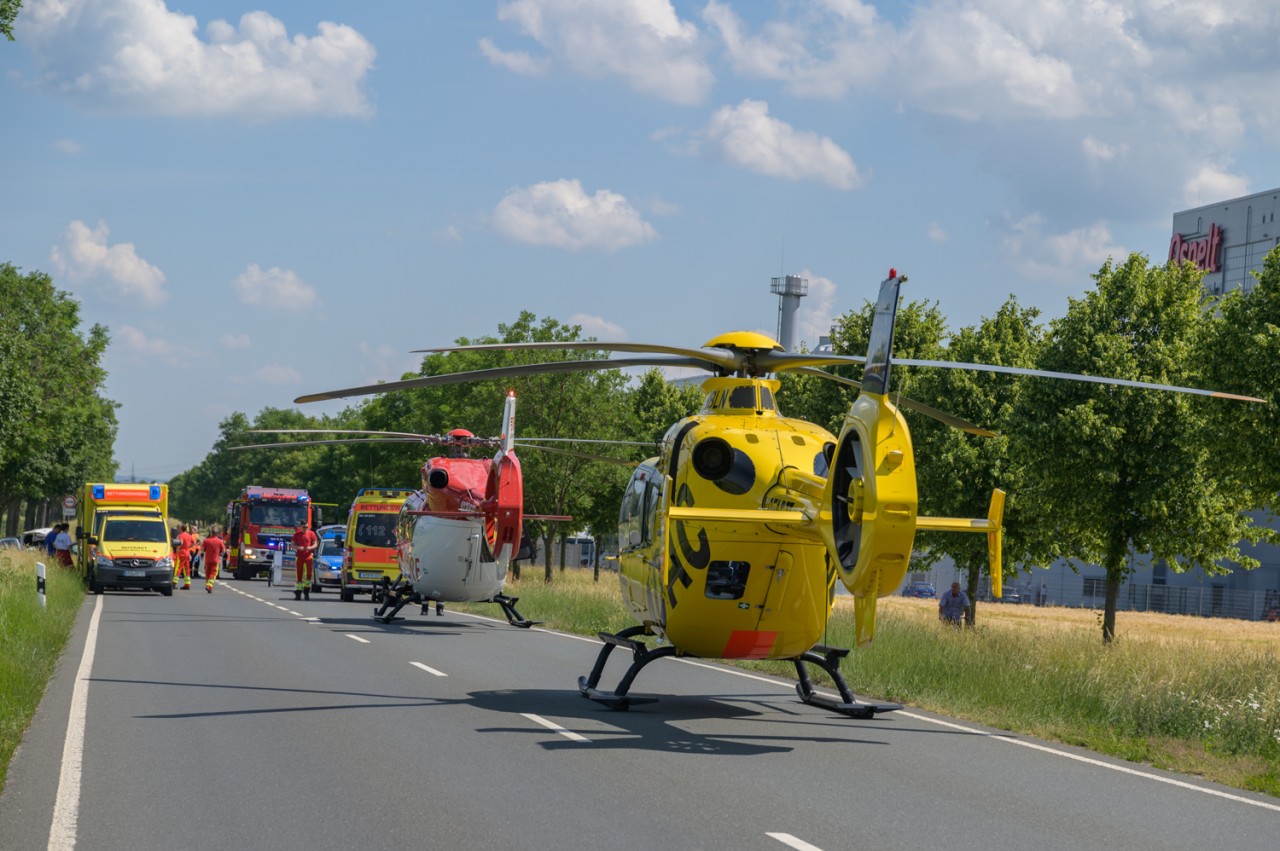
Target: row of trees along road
column 1094, row 472
column 57, row 428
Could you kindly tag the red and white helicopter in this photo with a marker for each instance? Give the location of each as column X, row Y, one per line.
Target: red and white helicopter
column 457, row 536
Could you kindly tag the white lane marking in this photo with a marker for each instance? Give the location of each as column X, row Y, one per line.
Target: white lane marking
column 429, row 669
column 66, row 808
column 295, row 614
column 312, row 620
column 356, row 638
column 790, row 841
column 1123, row 769
column 550, row 725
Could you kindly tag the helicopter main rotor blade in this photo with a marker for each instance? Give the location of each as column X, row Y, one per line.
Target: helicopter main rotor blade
column 497, row 373
column 334, row 442
column 1072, row 376
column 586, row 455
column 714, row 358
column 340, row 431
column 909, row 404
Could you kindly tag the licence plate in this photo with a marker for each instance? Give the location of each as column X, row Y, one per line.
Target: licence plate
column 132, row 573
column 369, row 574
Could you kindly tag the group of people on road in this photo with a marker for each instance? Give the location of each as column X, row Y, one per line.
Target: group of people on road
column 186, row 545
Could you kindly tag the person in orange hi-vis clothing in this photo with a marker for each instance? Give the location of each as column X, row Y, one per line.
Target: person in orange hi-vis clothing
column 186, row 544
column 305, row 543
column 212, row 546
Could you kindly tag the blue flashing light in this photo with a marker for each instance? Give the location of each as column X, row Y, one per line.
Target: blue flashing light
column 303, row 498
column 99, row 491
column 155, row 493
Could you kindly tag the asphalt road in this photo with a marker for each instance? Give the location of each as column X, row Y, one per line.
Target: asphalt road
column 243, row 719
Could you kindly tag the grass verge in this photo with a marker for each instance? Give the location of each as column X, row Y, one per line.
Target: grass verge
column 31, row 640
column 1194, row 695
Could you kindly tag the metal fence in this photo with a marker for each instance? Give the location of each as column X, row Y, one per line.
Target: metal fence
column 1207, row 601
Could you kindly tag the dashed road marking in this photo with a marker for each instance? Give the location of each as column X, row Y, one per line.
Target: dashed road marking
column 429, row 669
column 356, row 638
column 551, row 725
column 792, row 842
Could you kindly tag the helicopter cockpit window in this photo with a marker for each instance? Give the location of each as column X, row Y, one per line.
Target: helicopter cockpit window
column 766, row 399
column 652, row 496
column 631, row 518
column 727, row 580
column 743, row 397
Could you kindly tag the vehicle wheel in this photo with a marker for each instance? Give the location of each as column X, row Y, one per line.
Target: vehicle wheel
column 347, row 595
column 166, row 591
column 315, row 588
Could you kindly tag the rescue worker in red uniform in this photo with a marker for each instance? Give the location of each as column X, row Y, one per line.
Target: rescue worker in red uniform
column 305, row 544
column 186, row 544
column 213, row 548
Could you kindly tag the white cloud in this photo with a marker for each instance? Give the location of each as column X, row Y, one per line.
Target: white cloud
column 643, row 42
column 84, row 256
column 516, row 61
column 68, row 147
column 235, row 341
column 827, row 49
column 138, row 56
column 560, row 214
column 276, row 288
column 748, row 137
column 141, row 343
column 936, row 233
column 278, row 373
column 1065, row 258
column 1098, row 151
column 598, row 327
column 1211, row 184
column 385, row 363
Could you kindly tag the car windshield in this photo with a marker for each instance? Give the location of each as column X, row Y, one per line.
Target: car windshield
column 151, row 531
column 330, row 547
column 277, row 515
column 376, row 530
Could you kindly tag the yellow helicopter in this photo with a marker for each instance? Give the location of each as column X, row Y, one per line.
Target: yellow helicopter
column 733, row 536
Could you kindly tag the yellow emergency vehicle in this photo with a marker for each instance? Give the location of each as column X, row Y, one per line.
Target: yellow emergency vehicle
column 123, row 535
column 371, row 560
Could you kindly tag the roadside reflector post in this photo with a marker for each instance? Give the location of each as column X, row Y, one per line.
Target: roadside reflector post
column 40, row 584
column 277, row 563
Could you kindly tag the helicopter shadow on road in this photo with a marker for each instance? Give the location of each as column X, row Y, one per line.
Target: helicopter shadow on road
column 664, row 726
column 374, row 699
column 400, row 626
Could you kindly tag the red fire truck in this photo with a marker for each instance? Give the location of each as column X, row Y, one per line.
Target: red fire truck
column 260, row 523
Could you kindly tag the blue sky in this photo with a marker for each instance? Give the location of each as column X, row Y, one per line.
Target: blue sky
column 263, row 198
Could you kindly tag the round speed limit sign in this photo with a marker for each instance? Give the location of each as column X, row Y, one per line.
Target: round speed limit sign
column 68, row 502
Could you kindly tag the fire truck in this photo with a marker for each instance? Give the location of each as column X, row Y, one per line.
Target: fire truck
column 261, row 522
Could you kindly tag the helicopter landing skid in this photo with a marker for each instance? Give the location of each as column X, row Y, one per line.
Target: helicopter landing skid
column 399, row 595
column 508, row 605
column 641, row 656
column 828, row 659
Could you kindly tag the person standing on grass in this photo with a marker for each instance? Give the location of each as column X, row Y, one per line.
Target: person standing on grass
column 951, row 605
column 62, row 545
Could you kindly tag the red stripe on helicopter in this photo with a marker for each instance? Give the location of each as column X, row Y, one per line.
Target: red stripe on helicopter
column 749, row 644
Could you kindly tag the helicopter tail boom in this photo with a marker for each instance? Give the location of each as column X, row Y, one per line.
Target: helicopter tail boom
column 992, row 526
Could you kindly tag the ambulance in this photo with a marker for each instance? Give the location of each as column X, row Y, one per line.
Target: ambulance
column 371, row 559
column 123, row 534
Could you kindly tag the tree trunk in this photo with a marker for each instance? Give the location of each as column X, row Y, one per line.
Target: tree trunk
column 564, row 548
column 11, row 519
column 971, row 611
column 1109, row 609
column 546, row 556
column 32, row 507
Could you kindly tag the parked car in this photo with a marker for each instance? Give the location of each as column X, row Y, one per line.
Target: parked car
column 34, row 537
column 10, row 544
column 920, row 589
column 328, row 564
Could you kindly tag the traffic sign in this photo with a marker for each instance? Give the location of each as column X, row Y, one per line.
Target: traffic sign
column 69, row 502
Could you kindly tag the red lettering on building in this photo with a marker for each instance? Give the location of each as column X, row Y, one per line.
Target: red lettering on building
column 1202, row 252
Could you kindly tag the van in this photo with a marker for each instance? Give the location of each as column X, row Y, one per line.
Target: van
column 371, row 560
column 123, row 535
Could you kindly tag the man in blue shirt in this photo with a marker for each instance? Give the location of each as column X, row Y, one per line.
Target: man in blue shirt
column 952, row 604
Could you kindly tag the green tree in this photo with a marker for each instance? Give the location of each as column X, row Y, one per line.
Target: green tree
column 8, row 13
column 56, row 427
column 1240, row 356
column 957, row 471
column 1111, row 471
